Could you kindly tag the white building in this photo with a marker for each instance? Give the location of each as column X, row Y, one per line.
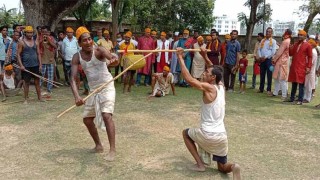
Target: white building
column 224, row 25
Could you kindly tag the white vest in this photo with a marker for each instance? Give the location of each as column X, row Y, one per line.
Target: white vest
column 166, row 46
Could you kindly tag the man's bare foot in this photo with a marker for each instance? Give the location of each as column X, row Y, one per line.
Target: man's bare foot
column 110, row 156
column 195, row 167
column 236, row 172
column 25, row 102
column 97, row 149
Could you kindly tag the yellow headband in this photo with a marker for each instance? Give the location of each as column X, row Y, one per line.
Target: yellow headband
column 166, row 68
column 8, row 67
column 28, row 29
column 200, row 39
column 302, row 32
column 81, row 30
column 163, row 34
column 69, row 30
column 186, row 31
column 128, row 34
column 147, row 30
column 105, row 32
column 227, row 36
column 312, row 42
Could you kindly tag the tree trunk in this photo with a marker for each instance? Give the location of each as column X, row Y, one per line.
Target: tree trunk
column 48, row 12
column 248, row 38
column 250, row 24
column 309, row 21
column 115, row 4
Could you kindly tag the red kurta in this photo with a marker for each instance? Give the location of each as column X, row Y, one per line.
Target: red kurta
column 301, row 59
column 146, row 43
column 223, row 52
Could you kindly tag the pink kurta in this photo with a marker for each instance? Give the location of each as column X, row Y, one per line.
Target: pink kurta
column 301, row 59
column 282, row 61
column 146, row 43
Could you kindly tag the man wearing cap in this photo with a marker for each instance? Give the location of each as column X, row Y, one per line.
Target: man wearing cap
column 161, row 83
column 281, row 66
column 128, row 77
column 215, row 47
column 69, row 48
column 98, row 108
column 29, row 58
column 301, row 53
column 7, row 81
column 223, row 50
column 198, row 64
column 47, row 50
column 163, row 58
column 186, row 43
column 106, row 42
column 146, row 43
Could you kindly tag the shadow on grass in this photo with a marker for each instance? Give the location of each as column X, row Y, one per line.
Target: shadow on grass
column 77, row 157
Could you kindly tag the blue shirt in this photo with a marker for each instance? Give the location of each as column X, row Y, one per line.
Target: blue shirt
column 3, row 47
column 14, row 48
column 233, row 48
column 267, row 51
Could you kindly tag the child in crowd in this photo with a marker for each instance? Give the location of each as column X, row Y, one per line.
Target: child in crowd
column 243, row 63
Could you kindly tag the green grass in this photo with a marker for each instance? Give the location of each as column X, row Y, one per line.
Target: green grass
column 269, row 139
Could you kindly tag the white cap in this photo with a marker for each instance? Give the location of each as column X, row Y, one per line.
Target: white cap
column 176, row 33
column 312, row 37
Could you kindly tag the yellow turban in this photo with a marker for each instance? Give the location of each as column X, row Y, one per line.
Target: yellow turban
column 312, row 42
column 147, row 30
column 105, row 32
column 81, row 30
column 302, row 32
column 186, row 31
column 208, row 38
column 200, row 39
column 154, row 33
column 128, row 34
column 166, row 68
column 163, row 34
column 28, row 29
column 227, row 36
column 8, row 67
column 69, row 30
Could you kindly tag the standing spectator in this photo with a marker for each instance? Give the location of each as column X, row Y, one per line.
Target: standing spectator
column 61, row 36
column 69, row 48
column 174, row 60
column 301, row 53
column 223, row 50
column 4, row 44
column 281, row 66
column 29, row 58
column 106, row 42
column 198, row 65
column 146, row 43
column 186, row 43
column 256, row 65
column 266, row 51
column 215, row 47
column 163, row 58
column 243, row 63
column 309, row 84
column 47, row 46
column 232, row 61
column 99, row 35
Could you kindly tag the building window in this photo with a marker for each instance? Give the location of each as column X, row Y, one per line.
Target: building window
column 226, row 30
column 219, row 22
column 219, row 30
column 227, row 22
column 219, row 26
column 226, row 26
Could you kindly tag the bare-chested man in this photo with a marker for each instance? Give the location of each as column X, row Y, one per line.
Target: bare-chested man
column 98, row 108
column 211, row 137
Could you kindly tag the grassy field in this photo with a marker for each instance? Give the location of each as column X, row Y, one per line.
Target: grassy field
column 269, row 139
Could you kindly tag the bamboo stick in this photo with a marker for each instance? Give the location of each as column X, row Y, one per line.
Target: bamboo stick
column 160, row 50
column 44, row 79
column 103, row 85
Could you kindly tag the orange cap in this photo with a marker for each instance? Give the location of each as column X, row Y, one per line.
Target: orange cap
column 166, row 68
column 200, row 39
column 28, row 29
column 69, row 30
column 163, row 33
column 186, row 31
column 302, row 32
column 8, row 67
column 147, row 30
column 105, row 32
column 128, row 34
column 227, row 36
column 80, row 31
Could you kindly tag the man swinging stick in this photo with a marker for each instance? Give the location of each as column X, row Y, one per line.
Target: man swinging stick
column 98, row 108
column 211, row 137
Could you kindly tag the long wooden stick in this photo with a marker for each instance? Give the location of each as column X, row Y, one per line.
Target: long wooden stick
column 44, row 79
column 160, row 50
column 104, row 85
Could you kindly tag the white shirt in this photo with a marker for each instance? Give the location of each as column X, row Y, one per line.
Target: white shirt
column 69, row 48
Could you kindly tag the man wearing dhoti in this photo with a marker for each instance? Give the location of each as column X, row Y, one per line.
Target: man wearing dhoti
column 211, row 137
column 98, row 108
column 161, row 83
column 198, row 64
